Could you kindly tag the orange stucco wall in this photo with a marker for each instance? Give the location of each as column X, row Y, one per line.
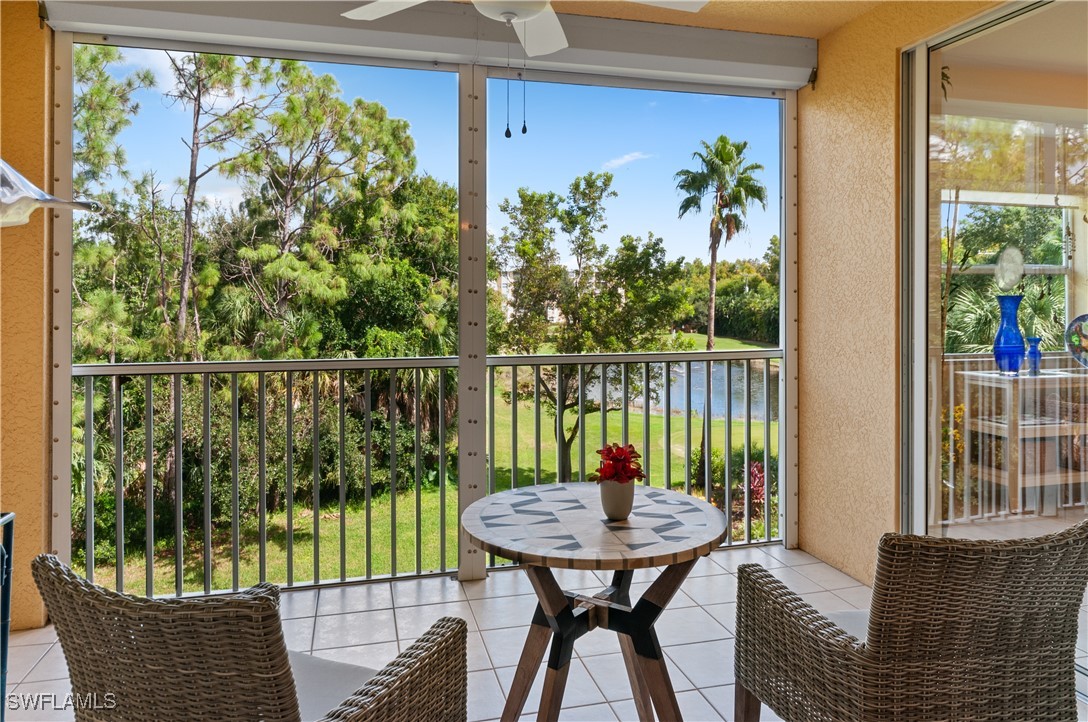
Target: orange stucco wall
column 848, row 281
column 25, row 123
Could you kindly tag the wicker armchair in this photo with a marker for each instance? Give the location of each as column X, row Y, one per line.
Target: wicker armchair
column 957, row 630
column 224, row 658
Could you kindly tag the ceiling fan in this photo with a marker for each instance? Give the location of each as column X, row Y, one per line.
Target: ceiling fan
column 534, row 21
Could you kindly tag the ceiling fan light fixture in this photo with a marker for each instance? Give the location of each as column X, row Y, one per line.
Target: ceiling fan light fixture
column 509, row 11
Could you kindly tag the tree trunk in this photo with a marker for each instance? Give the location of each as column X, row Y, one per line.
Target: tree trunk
column 187, row 225
column 700, row 473
column 946, row 292
column 566, row 447
column 713, row 292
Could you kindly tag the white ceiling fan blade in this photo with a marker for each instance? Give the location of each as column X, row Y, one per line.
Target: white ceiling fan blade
column 691, row 6
column 380, row 8
column 542, row 34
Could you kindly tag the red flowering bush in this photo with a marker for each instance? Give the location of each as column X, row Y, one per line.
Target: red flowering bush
column 758, row 482
column 618, row 463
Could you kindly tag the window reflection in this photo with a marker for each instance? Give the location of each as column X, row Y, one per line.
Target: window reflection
column 1008, row 149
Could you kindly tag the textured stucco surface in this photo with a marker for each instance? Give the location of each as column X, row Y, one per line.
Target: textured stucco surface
column 24, row 301
column 848, row 127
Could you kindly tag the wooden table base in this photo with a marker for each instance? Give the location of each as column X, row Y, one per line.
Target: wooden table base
column 563, row 617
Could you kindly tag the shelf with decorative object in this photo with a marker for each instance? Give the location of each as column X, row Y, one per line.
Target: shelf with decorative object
column 1026, row 434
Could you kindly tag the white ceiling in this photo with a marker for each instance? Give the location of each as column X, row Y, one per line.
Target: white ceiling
column 1053, row 39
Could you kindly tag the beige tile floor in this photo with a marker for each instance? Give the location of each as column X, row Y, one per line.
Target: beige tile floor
column 369, row 624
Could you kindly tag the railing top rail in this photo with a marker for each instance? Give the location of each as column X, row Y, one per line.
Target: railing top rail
column 631, row 358
column 277, row 365
column 428, row 362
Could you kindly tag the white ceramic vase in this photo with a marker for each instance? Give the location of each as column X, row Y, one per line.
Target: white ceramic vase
column 617, row 499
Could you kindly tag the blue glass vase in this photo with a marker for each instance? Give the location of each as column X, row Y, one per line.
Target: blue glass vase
column 1035, row 355
column 1009, row 342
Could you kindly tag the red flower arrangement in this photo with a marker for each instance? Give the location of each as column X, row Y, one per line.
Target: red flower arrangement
column 619, row 464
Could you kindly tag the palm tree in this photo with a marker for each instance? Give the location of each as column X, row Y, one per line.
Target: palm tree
column 726, row 176
column 728, row 179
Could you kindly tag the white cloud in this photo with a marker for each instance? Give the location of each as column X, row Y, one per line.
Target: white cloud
column 225, row 196
column 624, row 160
column 159, row 63
column 156, row 60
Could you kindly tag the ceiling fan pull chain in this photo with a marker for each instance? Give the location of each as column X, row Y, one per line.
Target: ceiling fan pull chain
column 524, row 127
column 508, row 87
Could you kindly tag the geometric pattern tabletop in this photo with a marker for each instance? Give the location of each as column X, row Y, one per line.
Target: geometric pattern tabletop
column 562, row 525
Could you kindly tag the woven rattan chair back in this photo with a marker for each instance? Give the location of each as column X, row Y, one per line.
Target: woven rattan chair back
column 957, row 630
column 214, row 658
column 956, row 598
column 979, row 622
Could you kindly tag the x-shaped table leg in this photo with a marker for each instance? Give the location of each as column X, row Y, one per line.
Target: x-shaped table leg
column 565, row 617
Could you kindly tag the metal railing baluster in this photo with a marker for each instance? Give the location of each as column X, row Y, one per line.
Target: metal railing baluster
column 708, row 417
column 950, row 382
column 343, row 476
column 149, row 488
column 491, row 449
column 625, row 401
column 393, row 472
column 262, row 477
column 604, row 404
column 235, row 502
column 88, row 475
column 315, row 429
column 417, row 390
column 179, row 520
column 206, row 383
column 687, row 428
column 582, row 421
column 767, row 450
column 646, row 422
column 560, row 437
column 514, row 427
column 442, row 469
column 536, row 423
column 728, row 490
column 368, row 490
column 119, row 481
column 289, row 472
column 747, row 451
column 667, row 451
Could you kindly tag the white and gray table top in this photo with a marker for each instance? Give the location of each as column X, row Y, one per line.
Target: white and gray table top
column 563, row 526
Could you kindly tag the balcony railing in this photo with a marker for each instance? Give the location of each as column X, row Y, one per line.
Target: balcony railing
column 202, row 477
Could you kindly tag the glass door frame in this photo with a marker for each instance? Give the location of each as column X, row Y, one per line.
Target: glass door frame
column 915, row 436
column 913, row 257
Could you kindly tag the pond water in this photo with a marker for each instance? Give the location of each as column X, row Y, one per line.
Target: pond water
column 718, row 409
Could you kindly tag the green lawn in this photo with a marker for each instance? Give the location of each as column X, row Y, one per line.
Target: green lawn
column 302, row 546
column 430, row 505
column 723, row 343
column 654, row 451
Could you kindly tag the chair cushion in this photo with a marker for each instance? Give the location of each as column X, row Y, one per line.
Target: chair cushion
column 855, row 622
column 323, row 684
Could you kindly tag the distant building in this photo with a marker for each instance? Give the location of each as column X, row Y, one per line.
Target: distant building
column 504, row 287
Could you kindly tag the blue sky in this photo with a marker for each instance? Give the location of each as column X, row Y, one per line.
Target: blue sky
column 642, row 137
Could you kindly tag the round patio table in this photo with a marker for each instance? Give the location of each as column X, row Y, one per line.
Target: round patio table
column 562, row 526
